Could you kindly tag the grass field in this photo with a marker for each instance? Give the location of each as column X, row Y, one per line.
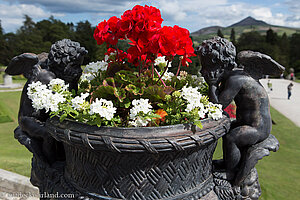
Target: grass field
column 278, row 174
column 13, row 156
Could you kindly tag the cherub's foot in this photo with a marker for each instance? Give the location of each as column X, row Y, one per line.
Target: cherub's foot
column 230, row 176
column 219, row 165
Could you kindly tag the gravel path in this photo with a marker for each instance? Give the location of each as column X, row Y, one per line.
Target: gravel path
column 278, row 98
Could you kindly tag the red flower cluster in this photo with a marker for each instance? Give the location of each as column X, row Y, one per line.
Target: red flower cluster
column 142, row 26
column 231, row 110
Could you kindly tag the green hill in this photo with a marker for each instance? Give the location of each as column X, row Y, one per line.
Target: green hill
column 246, row 25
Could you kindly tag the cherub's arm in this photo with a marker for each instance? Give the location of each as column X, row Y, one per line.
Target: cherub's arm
column 225, row 95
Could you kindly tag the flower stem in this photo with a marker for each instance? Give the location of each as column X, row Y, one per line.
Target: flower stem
column 162, row 73
column 152, row 74
column 178, row 67
column 160, row 78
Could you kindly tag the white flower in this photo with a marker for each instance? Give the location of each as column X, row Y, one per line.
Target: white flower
column 139, row 122
column 95, row 67
column 161, row 61
column 44, row 98
column 53, row 102
column 57, row 84
column 140, row 106
column 35, row 87
column 78, row 102
column 198, row 79
column 202, row 111
column 167, row 76
column 190, row 93
column 214, row 111
column 106, row 57
column 192, row 96
column 104, row 108
column 87, row 77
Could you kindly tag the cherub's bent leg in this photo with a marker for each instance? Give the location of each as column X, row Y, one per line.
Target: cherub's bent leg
column 236, row 139
column 36, row 130
column 33, row 127
column 32, row 144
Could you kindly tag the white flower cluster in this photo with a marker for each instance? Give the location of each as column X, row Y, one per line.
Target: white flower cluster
column 214, row 111
column 106, row 57
column 167, row 76
column 162, row 61
column 87, row 77
column 44, row 98
column 104, row 108
column 193, row 97
column 58, row 85
column 79, row 101
column 140, row 108
column 95, row 67
column 89, row 72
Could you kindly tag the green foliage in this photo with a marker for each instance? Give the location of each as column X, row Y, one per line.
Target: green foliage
column 220, row 34
column 271, row 37
column 37, row 38
column 281, row 43
column 232, row 36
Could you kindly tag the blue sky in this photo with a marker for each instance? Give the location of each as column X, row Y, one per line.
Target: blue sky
column 191, row 14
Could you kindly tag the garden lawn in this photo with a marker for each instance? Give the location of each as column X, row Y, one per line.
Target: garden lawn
column 278, row 173
column 13, row 156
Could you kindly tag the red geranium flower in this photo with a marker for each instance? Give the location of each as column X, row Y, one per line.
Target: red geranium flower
column 142, row 26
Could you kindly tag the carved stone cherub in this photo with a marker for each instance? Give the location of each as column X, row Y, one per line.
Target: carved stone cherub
column 227, row 83
column 63, row 61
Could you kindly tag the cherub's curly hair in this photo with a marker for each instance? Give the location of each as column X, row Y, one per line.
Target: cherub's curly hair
column 65, row 51
column 218, row 50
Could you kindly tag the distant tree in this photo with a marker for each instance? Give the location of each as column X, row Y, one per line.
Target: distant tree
column 1, row 32
column 84, row 35
column 3, row 46
column 250, row 41
column 28, row 25
column 28, row 39
column 220, row 34
column 294, row 52
column 284, row 47
column 232, row 36
column 271, row 37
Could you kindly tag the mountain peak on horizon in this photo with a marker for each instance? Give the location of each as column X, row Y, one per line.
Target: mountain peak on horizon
column 248, row 21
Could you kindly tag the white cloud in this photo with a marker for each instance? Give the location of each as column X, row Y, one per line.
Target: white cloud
column 12, row 16
column 80, row 6
column 198, row 14
column 191, row 14
column 294, row 5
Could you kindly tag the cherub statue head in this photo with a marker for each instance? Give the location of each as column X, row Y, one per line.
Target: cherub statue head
column 216, row 55
column 65, row 59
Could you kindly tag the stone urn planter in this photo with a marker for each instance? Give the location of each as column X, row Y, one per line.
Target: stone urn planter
column 168, row 162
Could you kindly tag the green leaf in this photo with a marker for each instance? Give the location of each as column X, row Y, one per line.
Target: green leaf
column 109, row 82
column 154, row 93
column 168, row 89
column 137, row 89
column 126, row 76
column 127, row 105
column 63, row 117
column 120, row 94
column 198, row 123
column 106, row 92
